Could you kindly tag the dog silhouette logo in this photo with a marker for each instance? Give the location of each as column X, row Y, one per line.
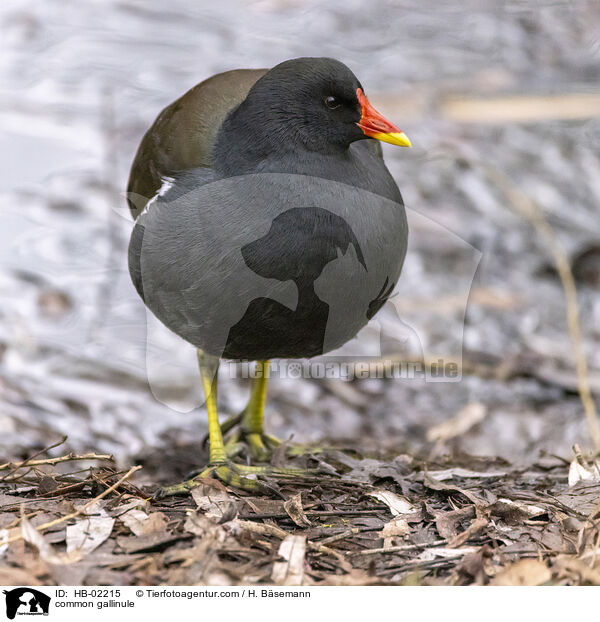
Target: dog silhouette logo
column 26, row 601
column 320, row 236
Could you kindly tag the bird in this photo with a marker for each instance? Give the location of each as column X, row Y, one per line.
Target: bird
column 267, row 226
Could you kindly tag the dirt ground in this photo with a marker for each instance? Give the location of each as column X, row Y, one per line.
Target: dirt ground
column 475, row 480
column 391, row 520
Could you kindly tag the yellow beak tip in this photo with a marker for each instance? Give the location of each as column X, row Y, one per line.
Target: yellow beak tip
column 394, row 138
column 404, row 140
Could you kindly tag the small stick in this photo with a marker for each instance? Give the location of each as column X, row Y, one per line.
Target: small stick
column 82, row 509
column 37, row 453
column 340, row 536
column 69, row 457
column 65, row 490
column 315, row 513
column 402, row 547
column 17, row 478
column 27, row 516
column 263, row 529
column 421, row 565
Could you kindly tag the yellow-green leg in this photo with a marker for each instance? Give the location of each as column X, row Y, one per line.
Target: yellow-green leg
column 209, row 366
column 220, row 464
column 250, row 421
column 247, row 431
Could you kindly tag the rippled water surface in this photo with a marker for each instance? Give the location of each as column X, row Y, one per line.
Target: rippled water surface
column 81, row 81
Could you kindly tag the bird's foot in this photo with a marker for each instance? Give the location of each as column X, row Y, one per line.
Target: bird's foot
column 239, row 439
column 258, row 445
column 250, row 478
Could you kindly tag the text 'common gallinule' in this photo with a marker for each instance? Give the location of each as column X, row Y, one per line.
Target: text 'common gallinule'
column 267, row 226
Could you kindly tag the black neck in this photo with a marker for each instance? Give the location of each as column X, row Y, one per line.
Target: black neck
column 250, row 140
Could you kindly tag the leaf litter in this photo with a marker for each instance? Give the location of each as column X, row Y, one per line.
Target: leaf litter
column 394, row 520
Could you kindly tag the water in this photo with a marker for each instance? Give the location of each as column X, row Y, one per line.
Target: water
column 81, row 81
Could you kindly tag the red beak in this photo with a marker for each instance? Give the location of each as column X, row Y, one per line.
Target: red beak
column 375, row 125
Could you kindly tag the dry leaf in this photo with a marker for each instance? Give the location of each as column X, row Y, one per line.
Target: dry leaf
column 432, row 553
column 18, row 576
column 134, row 519
column 447, row 523
column 392, row 531
column 290, row 571
column 578, row 569
column 527, row 508
column 198, row 524
column 398, row 505
column 462, row 422
column 523, row 572
column 141, row 523
column 579, row 473
column 293, row 506
column 214, row 502
column 435, row 484
column 396, row 527
column 474, row 528
column 440, row 476
column 353, row 577
column 3, row 541
column 90, row 532
column 47, row 553
column 157, row 521
column 473, row 564
column 128, row 505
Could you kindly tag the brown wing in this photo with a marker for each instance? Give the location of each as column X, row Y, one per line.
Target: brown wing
column 183, row 134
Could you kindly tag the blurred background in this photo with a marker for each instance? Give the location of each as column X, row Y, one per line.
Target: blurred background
column 483, row 89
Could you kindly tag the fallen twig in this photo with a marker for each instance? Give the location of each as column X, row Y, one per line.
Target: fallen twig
column 401, row 547
column 68, row 458
column 82, row 509
column 28, row 460
column 340, row 536
column 315, row 513
column 263, row 529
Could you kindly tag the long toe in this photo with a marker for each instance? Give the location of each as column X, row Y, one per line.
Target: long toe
column 256, row 479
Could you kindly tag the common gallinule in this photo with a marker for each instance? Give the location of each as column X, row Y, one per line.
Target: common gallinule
column 268, row 226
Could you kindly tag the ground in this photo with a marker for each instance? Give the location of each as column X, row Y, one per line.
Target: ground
column 386, row 520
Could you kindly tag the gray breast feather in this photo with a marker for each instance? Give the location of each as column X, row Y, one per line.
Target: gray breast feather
column 204, row 259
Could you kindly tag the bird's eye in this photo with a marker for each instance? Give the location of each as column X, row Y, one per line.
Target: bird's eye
column 332, row 102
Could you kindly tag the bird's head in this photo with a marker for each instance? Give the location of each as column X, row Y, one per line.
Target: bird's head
column 318, row 103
